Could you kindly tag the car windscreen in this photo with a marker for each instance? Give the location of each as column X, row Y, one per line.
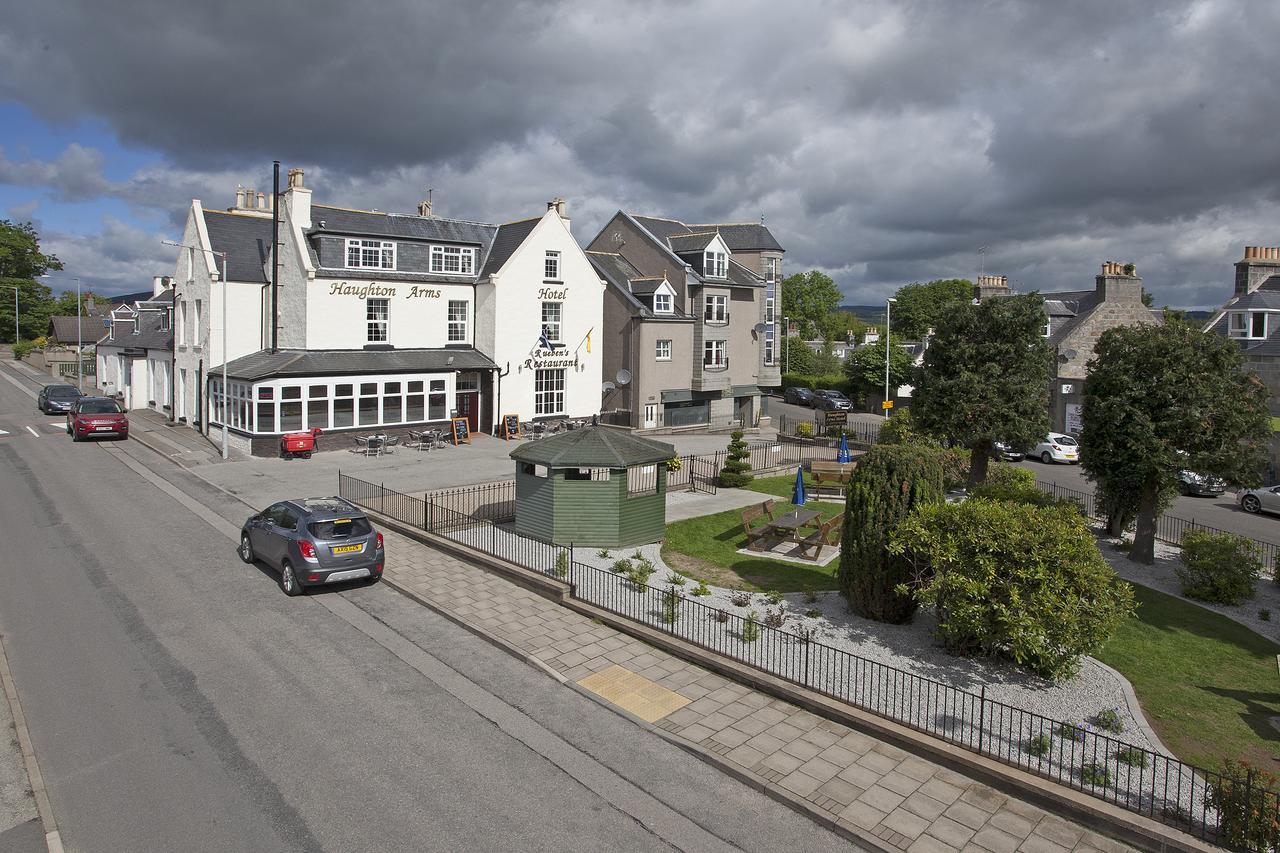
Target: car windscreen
column 63, row 392
column 99, row 407
column 340, row 528
column 1066, row 441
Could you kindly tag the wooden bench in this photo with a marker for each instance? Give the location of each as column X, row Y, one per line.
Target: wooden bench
column 757, row 535
column 831, row 472
column 827, row 534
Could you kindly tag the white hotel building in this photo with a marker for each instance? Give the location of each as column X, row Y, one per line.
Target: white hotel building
column 385, row 322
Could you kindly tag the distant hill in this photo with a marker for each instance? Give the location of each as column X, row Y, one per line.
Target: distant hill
column 871, row 314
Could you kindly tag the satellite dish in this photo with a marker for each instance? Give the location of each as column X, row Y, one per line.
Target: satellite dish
column 623, row 377
column 1070, row 353
column 759, row 327
column 607, row 387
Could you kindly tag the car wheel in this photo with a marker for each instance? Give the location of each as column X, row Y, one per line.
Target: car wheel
column 289, row 580
column 246, row 548
column 1046, row 458
column 1250, row 504
column 69, row 432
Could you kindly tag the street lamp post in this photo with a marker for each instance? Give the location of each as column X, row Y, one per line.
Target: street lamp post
column 223, row 256
column 786, row 346
column 888, row 309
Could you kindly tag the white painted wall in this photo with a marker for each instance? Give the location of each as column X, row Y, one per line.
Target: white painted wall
column 517, row 319
column 336, row 313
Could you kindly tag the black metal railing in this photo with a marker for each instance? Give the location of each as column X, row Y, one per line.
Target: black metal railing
column 1169, row 528
column 858, row 432
column 1072, row 754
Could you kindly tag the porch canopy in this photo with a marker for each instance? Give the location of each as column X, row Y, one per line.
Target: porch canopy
column 598, row 485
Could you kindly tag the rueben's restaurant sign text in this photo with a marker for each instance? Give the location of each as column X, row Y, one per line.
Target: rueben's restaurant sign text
column 550, row 359
column 364, row 291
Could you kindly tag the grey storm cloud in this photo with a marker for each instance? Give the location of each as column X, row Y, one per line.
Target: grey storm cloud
column 884, row 142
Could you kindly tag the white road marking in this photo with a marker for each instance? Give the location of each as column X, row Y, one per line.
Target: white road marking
column 33, row 432
column 4, row 432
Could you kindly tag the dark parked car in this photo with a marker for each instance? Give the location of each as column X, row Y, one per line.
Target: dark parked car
column 1005, row 452
column 96, row 417
column 828, row 401
column 312, row 542
column 798, row 396
column 1191, row 483
column 57, row 399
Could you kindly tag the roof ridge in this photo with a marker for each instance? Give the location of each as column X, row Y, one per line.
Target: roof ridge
column 432, row 218
column 598, row 252
column 256, row 215
column 663, row 218
column 520, row 221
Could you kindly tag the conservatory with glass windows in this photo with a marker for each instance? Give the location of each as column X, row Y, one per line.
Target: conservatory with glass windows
column 358, row 392
column 599, row 485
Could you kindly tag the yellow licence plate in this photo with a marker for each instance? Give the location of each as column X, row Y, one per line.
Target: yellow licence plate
column 346, row 549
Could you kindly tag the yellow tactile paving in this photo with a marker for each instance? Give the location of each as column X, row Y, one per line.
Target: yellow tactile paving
column 633, row 693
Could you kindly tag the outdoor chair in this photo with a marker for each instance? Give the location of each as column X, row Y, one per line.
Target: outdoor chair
column 389, row 442
column 827, row 534
column 759, row 534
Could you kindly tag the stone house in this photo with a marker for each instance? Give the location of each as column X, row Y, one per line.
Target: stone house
column 1074, row 321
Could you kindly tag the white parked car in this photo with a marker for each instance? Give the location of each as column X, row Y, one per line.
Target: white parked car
column 1058, row 447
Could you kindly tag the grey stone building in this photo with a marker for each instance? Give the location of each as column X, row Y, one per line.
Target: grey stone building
column 1074, row 321
column 691, row 317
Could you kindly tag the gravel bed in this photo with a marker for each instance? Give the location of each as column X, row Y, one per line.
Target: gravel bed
column 855, row 659
column 1162, row 575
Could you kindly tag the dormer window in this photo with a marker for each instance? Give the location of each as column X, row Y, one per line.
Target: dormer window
column 1048, row 327
column 1249, row 325
column 371, row 255
column 453, row 260
column 662, row 303
column 715, row 265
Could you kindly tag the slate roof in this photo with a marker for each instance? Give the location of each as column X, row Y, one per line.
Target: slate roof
column 1257, row 299
column 285, row 363
column 593, row 447
column 682, row 243
column 150, row 335
column 64, row 329
column 245, row 239
column 623, row 277
column 370, row 223
column 745, row 236
column 506, row 241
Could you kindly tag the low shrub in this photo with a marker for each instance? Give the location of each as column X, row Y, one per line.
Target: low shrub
column 903, row 429
column 804, row 429
column 1264, row 615
column 1132, row 757
column 640, row 573
column 670, row 605
column 1218, row 567
column 1095, row 774
column 561, row 569
column 701, row 589
column 955, row 467
column 1109, row 721
column 1039, row 746
column 674, row 464
column 740, row 598
column 22, row 349
column 774, row 618
column 676, row 579
column 603, row 553
column 623, row 566
column 1070, row 732
column 811, row 596
column 736, row 472
column 1004, row 474
column 814, row 613
column 1020, row 582
column 773, row 597
column 720, row 616
column 750, row 630
column 1245, row 799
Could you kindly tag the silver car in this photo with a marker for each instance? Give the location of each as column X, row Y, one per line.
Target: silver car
column 1265, row 499
column 314, row 542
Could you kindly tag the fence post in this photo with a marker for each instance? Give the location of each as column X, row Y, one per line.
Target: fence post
column 427, row 519
column 806, row 661
column 982, row 715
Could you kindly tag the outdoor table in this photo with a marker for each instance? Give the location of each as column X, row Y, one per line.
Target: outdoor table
column 791, row 522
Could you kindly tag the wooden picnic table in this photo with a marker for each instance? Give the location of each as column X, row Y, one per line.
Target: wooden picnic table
column 789, row 524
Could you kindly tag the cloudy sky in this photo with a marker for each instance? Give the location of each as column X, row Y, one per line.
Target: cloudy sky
column 883, row 142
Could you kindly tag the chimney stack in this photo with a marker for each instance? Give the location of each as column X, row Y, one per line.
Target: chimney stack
column 297, row 200
column 295, row 179
column 424, row 208
column 1259, row 264
column 239, row 197
column 558, row 205
column 1119, row 283
column 992, row 285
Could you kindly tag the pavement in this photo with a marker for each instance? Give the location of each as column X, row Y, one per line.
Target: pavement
column 155, row 668
column 20, row 827
column 847, row 779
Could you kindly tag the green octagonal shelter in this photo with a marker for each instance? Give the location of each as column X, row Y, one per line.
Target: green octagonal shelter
column 597, row 485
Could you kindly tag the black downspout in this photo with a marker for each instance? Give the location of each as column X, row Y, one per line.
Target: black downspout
column 275, row 261
column 173, row 359
column 204, row 427
column 497, row 406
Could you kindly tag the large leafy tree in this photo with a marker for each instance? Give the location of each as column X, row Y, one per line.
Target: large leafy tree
column 840, row 325
column 921, row 306
column 807, row 298
column 21, row 265
column 1162, row 398
column 795, row 357
column 864, row 367
column 985, row 377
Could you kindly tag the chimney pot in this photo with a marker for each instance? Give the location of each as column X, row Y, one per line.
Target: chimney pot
column 295, row 178
column 262, row 201
column 424, row 208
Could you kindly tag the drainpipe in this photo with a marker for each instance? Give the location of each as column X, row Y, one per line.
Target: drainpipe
column 173, row 359
column 497, row 405
column 275, row 251
column 204, row 422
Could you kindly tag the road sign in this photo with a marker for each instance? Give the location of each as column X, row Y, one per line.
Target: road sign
column 887, row 404
column 835, row 417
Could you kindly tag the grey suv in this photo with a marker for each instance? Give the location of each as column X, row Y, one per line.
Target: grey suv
column 313, row 542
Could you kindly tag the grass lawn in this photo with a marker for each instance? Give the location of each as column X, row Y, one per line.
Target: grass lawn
column 1208, row 685
column 705, row 548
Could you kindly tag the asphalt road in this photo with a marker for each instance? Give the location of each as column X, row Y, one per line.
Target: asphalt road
column 178, row 700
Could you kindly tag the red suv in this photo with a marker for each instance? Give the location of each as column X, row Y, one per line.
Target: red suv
column 96, row 417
